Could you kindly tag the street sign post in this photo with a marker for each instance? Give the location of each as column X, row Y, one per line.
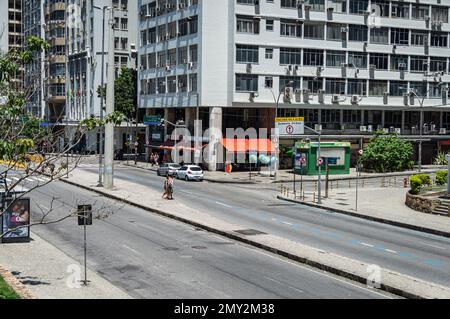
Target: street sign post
column 290, row 126
column 84, row 213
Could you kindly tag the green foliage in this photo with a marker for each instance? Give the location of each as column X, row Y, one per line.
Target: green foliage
column 6, row 292
column 440, row 159
column 418, row 181
column 441, row 177
column 125, row 89
column 387, row 153
column 115, row 118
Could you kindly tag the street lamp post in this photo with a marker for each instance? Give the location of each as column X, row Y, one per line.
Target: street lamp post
column 100, row 157
column 319, row 178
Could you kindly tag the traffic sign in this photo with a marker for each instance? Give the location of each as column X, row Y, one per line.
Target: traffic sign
column 290, row 126
column 319, row 161
column 84, row 213
column 361, row 152
column 303, row 160
column 152, row 119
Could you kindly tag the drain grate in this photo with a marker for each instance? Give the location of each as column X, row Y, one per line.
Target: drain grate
column 250, row 232
column 171, row 248
column 198, row 247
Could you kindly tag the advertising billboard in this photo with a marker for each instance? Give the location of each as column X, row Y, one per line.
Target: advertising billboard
column 16, row 220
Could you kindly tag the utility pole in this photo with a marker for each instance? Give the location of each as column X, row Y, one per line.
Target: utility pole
column 109, row 130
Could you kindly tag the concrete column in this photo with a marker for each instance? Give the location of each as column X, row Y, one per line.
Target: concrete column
column 147, row 137
column 403, row 122
column 382, row 118
column 215, row 127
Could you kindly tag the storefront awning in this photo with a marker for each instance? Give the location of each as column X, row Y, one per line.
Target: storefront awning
column 242, row 145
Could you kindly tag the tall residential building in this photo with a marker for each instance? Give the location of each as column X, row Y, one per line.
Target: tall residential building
column 11, row 34
column 348, row 65
column 84, row 47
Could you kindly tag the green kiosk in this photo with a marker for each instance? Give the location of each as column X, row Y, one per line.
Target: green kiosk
column 334, row 154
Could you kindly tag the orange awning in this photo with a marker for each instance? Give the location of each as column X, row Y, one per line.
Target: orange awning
column 242, row 145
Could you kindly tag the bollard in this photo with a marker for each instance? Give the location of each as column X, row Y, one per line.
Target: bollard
column 405, row 182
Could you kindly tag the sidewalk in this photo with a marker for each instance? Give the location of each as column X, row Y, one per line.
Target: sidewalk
column 284, row 176
column 43, row 269
column 131, row 193
column 383, row 204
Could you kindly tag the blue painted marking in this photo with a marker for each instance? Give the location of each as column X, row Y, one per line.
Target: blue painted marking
column 405, row 254
column 354, row 242
column 434, row 262
column 379, row 247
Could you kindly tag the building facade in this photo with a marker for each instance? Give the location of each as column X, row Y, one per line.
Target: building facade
column 84, row 51
column 11, row 31
column 352, row 66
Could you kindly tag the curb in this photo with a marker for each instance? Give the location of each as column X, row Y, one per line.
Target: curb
column 16, row 285
column 375, row 219
column 240, row 238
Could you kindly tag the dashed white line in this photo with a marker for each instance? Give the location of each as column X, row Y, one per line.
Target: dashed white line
column 368, row 245
column 391, row 251
column 131, row 249
column 222, row 204
column 290, row 224
column 438, row 247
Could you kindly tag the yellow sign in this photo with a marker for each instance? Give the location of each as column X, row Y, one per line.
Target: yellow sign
column 289, row 119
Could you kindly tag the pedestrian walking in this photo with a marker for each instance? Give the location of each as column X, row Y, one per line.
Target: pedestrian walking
column 168, row 188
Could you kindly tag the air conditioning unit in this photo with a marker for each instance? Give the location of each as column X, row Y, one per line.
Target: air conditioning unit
column 181, row 85
column 385, row 130
column 308, row 7
column 249, row 68
column 299, row 3
column 191, row 65
column 398, row 130
column 168, row 67
column 402, row 66
column 442, row 130
column 355, row 99
column 305, row 96
column 369, row 128
column 335, row 98
column 344, row 29
column 363, row 128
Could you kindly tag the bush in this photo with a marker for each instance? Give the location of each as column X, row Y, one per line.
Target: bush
column 418, row 181
column 441, row 178
column 387, row 153
column 440, row 159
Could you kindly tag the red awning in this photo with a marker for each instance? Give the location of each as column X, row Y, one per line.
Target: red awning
column 444, row 142
column 242, row 145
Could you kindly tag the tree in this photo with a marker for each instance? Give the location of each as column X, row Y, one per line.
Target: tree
column 387, row 153
column 125, row 89
column 28, row 149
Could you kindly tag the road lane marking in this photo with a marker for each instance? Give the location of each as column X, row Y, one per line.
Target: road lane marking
column 438, row 247
column 368, row 245
column 131, row 249
column 391, row 251
column 286, row 223
column 222, row 204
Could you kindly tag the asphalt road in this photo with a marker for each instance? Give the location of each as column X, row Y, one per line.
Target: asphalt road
column 410, row 252
column 151, row 256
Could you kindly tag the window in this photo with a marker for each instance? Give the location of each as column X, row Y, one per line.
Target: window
column 312, row 57
column 268, row 82
column 419, row 11
column 419, row 64
column 419, row 38
column 439, row 39
column 393, row 118
column 172, row 84
column 398, row 88
column 192, row 82
column 379, row 35
column 358, row 59
column 339, row 6
column 182, row 83
column 284, row 81
column 351, row 118
column 269, row 54
column 334, row 31
column 313, row 84
column 314, row 31
column 331, row 119
column 269, row 25
column 399, row 36
column 316, row 5
column 419, row 87
column 247, row 25
column 246, row 83
column 377, row 88
column 380, row 7
column 400, row 10
column 183, row 55
column 289, row 3
column 335, row 86
column 357, row 87
column 290, row 56
column 358, row 6
column 161, row 86
column 335, row 58
column 399, row 62
column 439, row 14
column 435, row 90
column 193, row 25
column 290, row 28
column 379, row 60
column 193, row 57
column 357, row 33
column 438, row 64
column 247, row 53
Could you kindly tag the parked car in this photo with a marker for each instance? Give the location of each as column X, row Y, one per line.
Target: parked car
column 168, row 169
column 190, row 172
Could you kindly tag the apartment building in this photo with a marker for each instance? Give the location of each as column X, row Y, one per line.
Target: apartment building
column 352, row 66
column 84, row 51
column 11, row 33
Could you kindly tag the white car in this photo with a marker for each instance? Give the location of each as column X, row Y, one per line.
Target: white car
column 190, row 172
